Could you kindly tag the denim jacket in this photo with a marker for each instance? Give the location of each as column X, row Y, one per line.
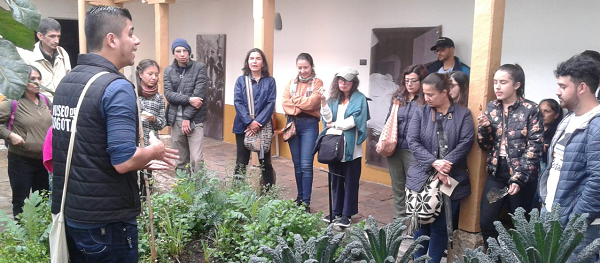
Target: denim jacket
column 265, row 94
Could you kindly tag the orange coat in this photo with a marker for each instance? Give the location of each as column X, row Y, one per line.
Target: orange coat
column 303, row 101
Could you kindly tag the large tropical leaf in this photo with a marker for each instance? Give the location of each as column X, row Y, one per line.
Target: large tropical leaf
column 15, row 32
column 25, row 12
column 13, row 71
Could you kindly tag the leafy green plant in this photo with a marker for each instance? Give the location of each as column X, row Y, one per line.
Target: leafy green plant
column 381, row 245
column 314, row 250
column 16, row 28
column 539, row 240
column 27, row 240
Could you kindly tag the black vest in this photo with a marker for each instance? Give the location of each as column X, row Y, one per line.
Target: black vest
column 96, row 192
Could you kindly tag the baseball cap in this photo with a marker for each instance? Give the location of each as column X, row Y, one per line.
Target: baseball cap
column 348, row 73
column 443, row 42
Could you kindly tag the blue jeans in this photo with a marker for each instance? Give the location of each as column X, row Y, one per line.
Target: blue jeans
column 438, row 236
column 593, row 232
column 301, row 146
column 114, row 242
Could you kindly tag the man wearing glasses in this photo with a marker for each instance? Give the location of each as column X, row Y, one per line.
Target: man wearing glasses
column 185, row 83
column 447, row 62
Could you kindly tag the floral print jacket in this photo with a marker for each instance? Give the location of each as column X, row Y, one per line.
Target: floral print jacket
column 524, row 139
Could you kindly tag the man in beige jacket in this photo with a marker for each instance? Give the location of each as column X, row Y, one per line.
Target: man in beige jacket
column 52, row 60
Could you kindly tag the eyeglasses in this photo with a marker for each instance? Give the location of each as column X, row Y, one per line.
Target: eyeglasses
column 343, row 81
column 409, row 81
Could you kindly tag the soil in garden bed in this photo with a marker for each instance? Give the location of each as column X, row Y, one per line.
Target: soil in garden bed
column 193, row 253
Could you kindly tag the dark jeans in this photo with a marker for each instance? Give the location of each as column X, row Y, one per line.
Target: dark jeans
column 25, row 175
column 344, row 190
column 301, row 147
column 243, row 157
column 114, row 242
column 438, row 235
column 491, row 212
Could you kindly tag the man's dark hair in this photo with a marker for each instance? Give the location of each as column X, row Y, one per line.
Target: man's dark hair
column 581, row 69
column 593, row 54
column 48, row 24
column 100, row 21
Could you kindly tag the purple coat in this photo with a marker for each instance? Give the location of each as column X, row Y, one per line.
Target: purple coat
column 423, row 143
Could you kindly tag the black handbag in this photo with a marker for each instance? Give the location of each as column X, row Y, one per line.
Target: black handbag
column 330, row 148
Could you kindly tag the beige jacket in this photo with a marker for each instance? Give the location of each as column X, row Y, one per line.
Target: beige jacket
column 51, row 76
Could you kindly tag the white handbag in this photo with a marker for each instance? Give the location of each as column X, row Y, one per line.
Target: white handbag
column 59, row 252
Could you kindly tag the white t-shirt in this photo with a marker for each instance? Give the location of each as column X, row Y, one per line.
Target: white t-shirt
column 559, row 153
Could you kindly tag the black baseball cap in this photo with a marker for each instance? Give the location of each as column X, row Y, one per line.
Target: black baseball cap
column 443, row 42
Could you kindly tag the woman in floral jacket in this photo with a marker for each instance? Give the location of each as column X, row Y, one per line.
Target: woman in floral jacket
column 511, row 129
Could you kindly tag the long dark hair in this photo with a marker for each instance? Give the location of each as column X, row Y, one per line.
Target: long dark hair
column 422, row 72
column 31, row 68
column 463, row 86
column 555, row 106
column 517, row 74
column 265, row 66
column 336, row 93
column 143, row 65
column 309, row 59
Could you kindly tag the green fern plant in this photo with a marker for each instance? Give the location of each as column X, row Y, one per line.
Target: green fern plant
column 314, row 250
column 539, row 240
column 381, row 245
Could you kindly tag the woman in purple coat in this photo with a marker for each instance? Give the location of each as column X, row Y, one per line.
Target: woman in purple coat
column 446, row 152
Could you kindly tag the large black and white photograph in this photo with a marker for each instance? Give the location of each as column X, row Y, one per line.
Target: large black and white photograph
column 211, row 51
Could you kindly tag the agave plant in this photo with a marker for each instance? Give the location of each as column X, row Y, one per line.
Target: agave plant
column 315, row 250
column 539, row 240
column 381, row 245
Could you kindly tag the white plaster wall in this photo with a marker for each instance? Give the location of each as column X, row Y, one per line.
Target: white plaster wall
column 338, row 33
column 539, row 34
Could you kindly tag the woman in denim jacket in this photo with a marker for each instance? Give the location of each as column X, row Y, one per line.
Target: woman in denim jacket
column 511, row 129
column 264, row 90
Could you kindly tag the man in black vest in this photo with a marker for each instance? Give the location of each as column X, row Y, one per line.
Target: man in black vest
column 102, row 199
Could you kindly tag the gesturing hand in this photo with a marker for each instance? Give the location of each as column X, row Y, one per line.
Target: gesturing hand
column 163, row 159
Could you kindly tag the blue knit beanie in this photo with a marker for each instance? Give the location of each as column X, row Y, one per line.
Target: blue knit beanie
column 180, row 42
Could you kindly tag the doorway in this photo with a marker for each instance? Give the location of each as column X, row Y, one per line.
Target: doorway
column 392, row 50
column 69, row 39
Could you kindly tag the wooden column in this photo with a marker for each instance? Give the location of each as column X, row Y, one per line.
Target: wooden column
column 161, row 41
column 488, row 26
column 264, row 16
column 81, row 26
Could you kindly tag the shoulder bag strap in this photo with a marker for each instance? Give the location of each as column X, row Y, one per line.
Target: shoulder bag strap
column 72, row 139
column 13, row 108
column 250, row 97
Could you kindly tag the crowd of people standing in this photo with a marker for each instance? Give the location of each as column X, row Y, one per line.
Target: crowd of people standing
column 535, row 153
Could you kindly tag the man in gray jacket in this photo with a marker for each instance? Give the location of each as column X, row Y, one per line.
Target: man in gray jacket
column 185, row 84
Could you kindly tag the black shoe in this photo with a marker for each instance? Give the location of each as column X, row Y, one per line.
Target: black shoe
column 343, row 222
column 298, row 201
column 326, row 218
column 307, row 209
